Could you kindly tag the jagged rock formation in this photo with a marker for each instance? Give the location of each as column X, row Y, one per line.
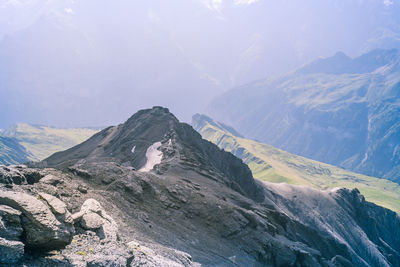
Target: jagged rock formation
column 199, row 204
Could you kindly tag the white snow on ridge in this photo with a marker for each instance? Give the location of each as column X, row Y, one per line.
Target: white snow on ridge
column 133, row 149
column 153, row 156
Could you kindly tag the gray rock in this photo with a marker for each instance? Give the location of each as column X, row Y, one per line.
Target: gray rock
column 18, row 175
column 51, row 180
column 91, row 221
column 88, row 250
column 93, row 216
column 10, row 175
column 10, row 223
column 10, row 251
column 43, row 228
column 146, row 256
column 56, row 205
column 106, row 261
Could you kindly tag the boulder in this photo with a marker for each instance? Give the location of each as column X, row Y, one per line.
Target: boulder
column 10, row 223
column 91, row 221
column 43, row 228
column 51, row 180
column 92, row 216
column 57, row 206
column 10, row 251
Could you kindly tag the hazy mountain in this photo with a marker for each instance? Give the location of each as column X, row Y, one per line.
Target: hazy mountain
column 12, row 152
column 337, row 110
column 62, row 59
column 152, row 191
column 271, row 164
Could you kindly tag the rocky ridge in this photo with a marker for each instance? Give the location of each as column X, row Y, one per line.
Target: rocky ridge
column 199, row 205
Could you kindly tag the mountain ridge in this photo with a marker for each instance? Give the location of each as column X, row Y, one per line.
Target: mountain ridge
column 271, row 164
column 348, row 120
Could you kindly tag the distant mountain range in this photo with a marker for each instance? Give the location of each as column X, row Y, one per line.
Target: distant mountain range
column 271, row 164
column 337, row 110
column 24, row 142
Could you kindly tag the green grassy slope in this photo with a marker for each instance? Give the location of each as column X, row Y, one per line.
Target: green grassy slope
column 275, row 165
column 41, row 141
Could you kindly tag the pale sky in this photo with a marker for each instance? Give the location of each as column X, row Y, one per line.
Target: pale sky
column 96, row 62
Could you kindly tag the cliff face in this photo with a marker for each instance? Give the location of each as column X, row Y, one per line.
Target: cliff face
column 170, row 193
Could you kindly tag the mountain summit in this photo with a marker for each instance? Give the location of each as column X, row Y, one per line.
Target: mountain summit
column 154, row 138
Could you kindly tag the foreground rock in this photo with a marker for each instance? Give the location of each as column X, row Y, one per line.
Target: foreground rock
column 10, row 251
column 19, row 174
column 93, row 217
column 43, row 228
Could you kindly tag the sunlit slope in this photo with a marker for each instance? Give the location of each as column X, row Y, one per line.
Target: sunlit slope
column 42, row 141
column 275, row 165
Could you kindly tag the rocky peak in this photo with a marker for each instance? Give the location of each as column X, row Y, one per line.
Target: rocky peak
column 154, row 140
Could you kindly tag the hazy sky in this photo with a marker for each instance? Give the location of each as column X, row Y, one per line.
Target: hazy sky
column 96, row 62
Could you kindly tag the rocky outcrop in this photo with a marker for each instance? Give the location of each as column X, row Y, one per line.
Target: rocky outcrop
column 19, row 174
column 93, row 217
column 10, row 223
column 42, row 227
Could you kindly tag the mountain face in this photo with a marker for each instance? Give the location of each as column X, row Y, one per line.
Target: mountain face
column 271, row 164
column 24, row 142
column 152, row 191
column 42, row 141
column 12, row 152
column 337, row 110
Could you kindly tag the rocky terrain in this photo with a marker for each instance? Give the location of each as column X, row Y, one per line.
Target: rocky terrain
column 95, row 205
column 339, row 110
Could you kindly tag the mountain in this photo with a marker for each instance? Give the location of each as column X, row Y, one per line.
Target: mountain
column 42, row 141
column 338, row 110
column 271, row 164
column 152, row 192
column 12, row 152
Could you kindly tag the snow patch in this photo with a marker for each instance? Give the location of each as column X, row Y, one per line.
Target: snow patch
column 133, row 149
column 153, row 156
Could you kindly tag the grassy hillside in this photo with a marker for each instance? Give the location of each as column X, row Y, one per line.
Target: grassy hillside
column 41, row 141
column 275, row 165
